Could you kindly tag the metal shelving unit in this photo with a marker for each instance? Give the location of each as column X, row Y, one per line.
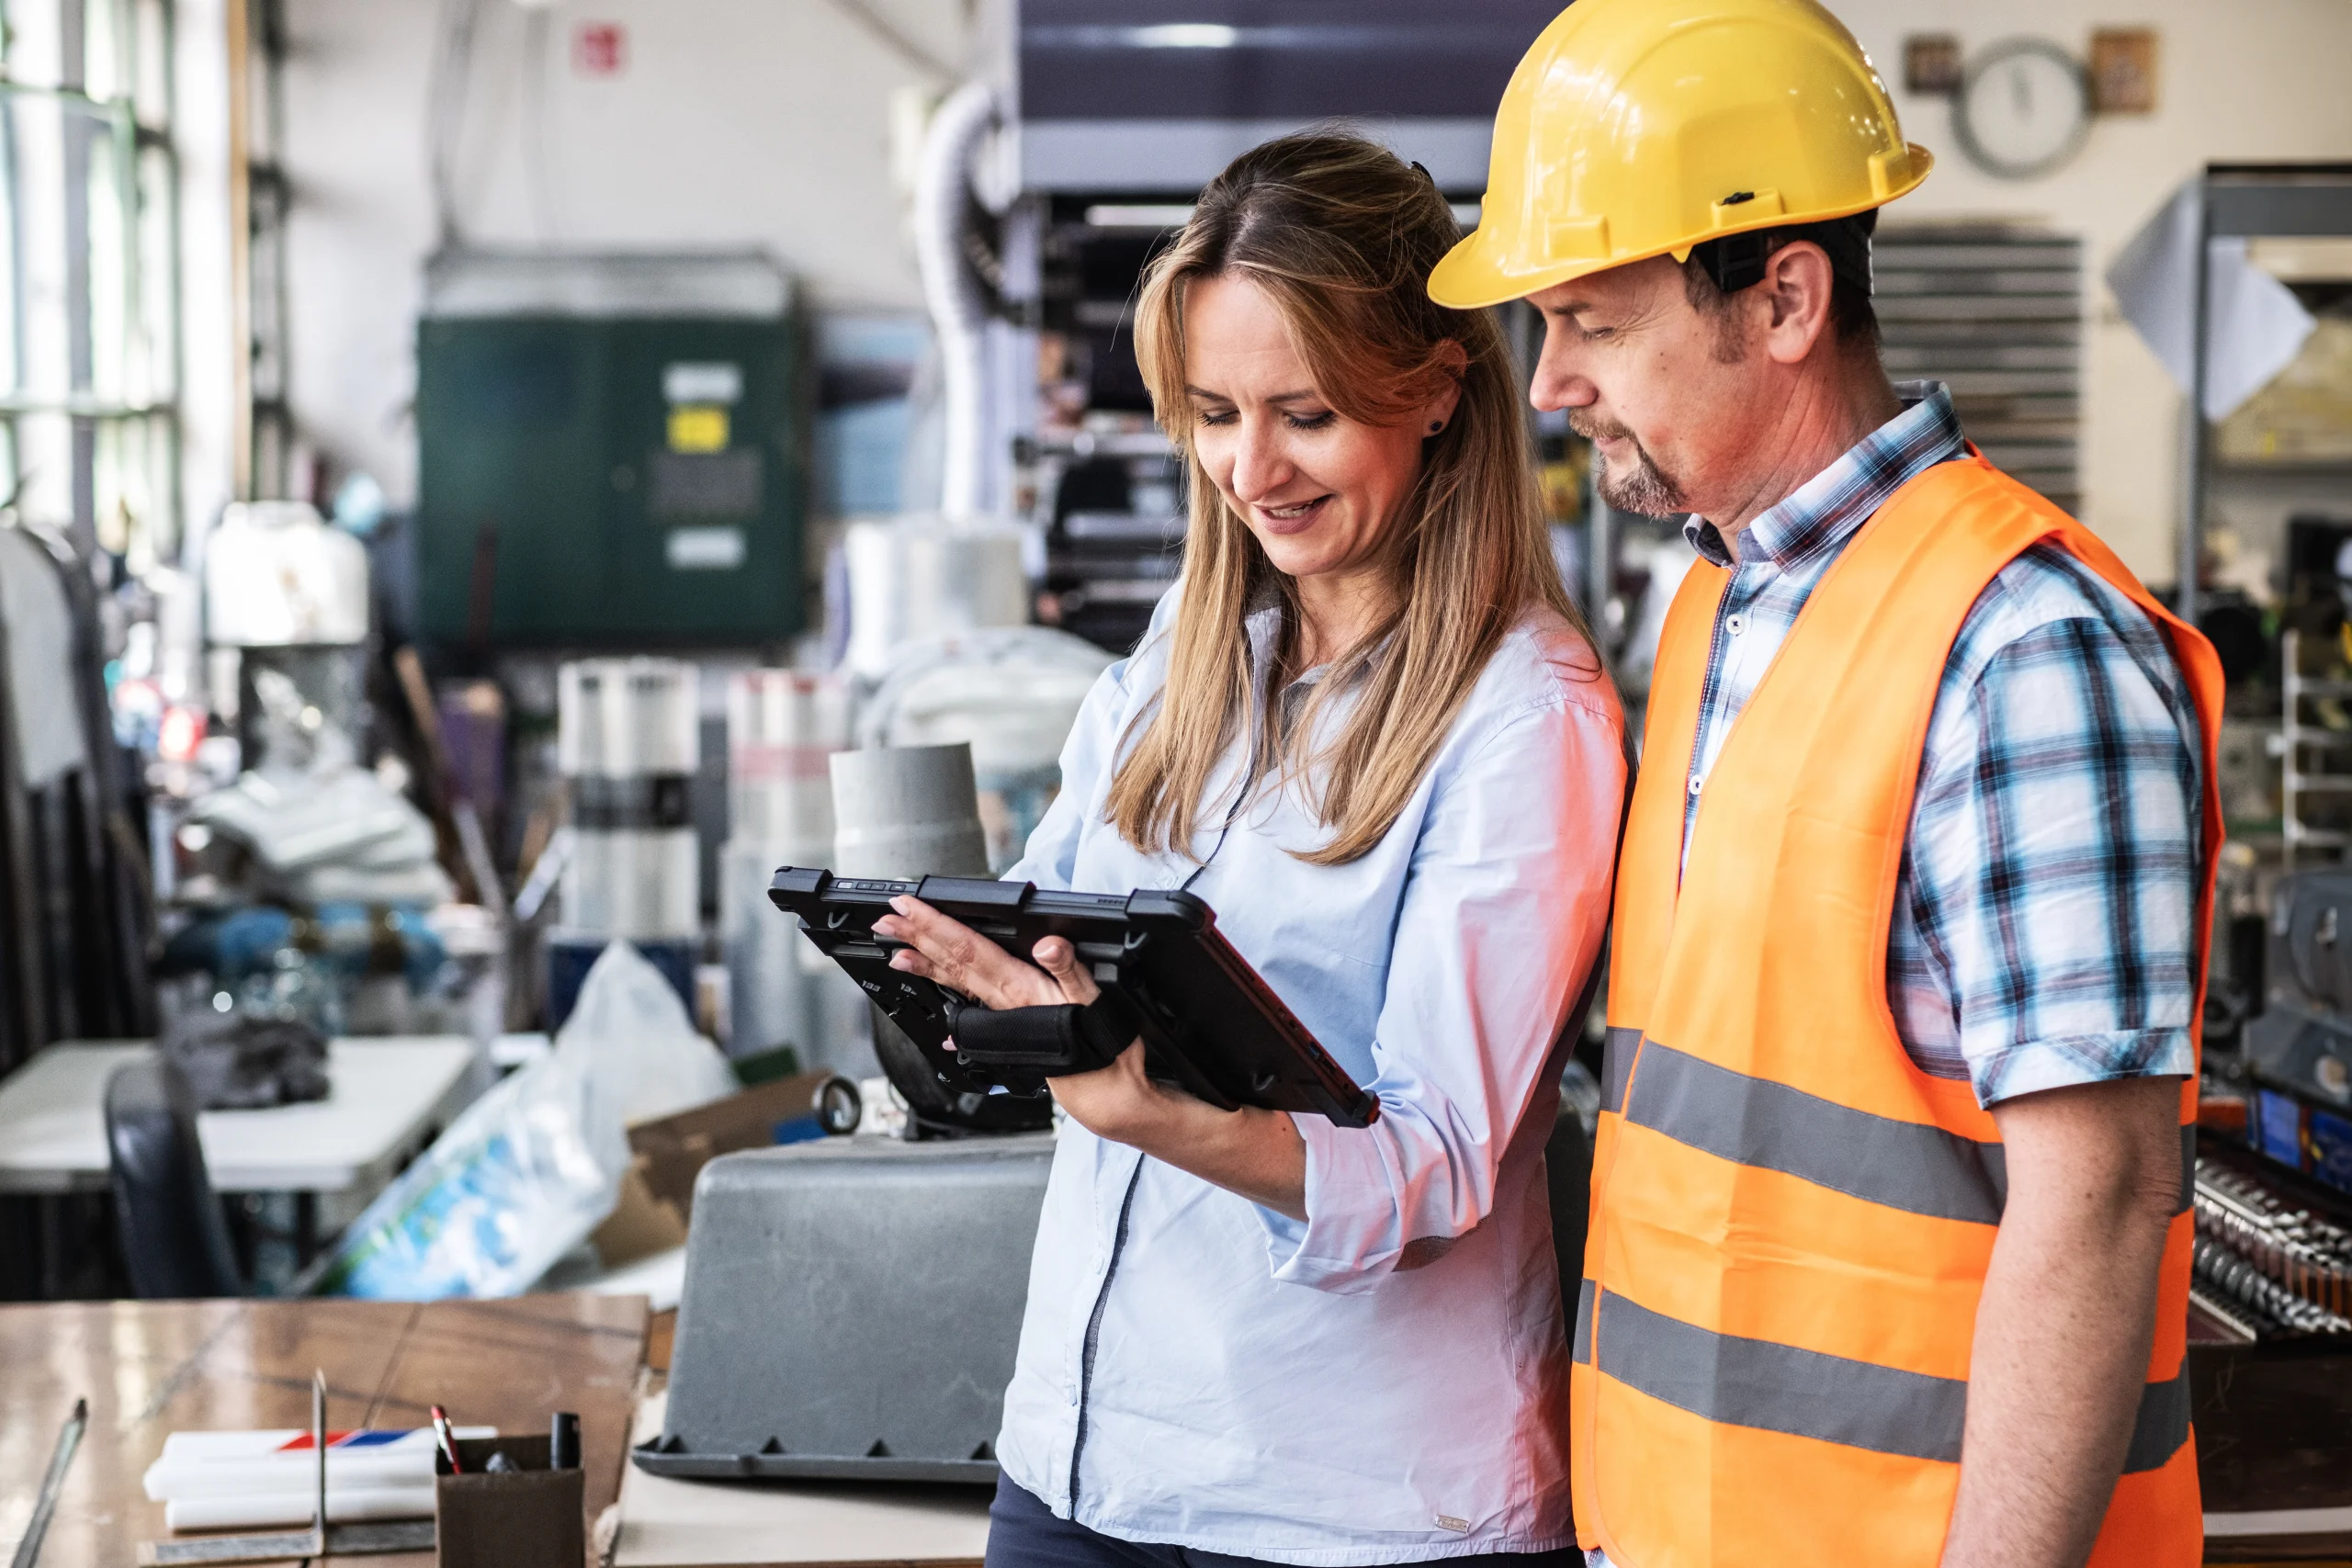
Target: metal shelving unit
column 2247, row 201
column 2305, row 750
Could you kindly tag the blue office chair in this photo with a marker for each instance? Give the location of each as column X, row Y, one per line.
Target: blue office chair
column 174, row 1238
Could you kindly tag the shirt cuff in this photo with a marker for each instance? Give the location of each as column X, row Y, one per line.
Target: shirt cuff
column 2066, row 1060
column 1347, row 1243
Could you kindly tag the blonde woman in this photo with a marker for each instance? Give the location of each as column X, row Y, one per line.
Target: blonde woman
column 1369, row 729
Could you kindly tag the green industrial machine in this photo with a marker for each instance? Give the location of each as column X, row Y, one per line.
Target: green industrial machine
column 611, row 452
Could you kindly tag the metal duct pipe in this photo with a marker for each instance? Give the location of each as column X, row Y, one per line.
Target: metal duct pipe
column 958, row 306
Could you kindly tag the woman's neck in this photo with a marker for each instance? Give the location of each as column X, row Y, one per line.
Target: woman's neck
column 1336, row 611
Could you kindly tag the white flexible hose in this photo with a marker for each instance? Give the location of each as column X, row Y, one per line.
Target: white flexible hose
column 958, row 309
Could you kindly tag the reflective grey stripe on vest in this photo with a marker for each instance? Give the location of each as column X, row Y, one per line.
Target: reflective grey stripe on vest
column 1580, row 1337
column 1911, row 1166
column 1617, row 1066
column 1778, row 1388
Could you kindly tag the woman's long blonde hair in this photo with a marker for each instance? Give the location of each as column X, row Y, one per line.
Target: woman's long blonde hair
column 1340, row 234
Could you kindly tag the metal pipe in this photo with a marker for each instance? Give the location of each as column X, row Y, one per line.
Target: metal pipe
column 2193, row 437
column 958, row 308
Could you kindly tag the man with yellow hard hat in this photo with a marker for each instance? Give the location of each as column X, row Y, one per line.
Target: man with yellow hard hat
column 1890, row 1246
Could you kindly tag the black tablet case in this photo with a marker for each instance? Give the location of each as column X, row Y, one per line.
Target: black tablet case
column 1209, row 1024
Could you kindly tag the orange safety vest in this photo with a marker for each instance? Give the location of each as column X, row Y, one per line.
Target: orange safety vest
column 1790, row 1223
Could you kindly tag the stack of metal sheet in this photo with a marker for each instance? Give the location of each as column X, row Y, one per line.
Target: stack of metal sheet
column 1995, row 312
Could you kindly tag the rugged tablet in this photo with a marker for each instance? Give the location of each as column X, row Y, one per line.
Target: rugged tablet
column 1208, row 1023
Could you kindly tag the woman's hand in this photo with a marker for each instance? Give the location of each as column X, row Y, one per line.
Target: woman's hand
column 1255, row 1153
column 1116, row 1102
column 947, row 951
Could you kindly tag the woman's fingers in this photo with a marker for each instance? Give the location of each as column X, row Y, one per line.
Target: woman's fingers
column 1059, row 959
column 944, row 949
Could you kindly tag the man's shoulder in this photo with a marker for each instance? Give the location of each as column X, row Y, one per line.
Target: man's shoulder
column 2045, row 588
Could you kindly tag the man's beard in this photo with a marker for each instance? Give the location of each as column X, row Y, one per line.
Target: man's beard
column 1643, row 487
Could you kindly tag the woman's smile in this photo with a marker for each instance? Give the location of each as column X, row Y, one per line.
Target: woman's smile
column 1292, row 517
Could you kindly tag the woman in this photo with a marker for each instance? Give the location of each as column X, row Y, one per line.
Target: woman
column 1367, row 728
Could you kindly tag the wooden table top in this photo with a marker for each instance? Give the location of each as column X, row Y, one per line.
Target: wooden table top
column 152, row 1368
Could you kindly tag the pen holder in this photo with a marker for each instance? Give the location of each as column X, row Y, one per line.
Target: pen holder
column 529, row 1516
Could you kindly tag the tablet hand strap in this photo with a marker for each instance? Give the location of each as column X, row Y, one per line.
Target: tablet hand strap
column 1053, row 1041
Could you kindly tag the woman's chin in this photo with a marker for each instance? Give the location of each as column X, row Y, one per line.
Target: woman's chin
column 1301, row 555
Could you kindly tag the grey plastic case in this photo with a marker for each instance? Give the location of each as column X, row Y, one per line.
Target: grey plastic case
column 851, row 1308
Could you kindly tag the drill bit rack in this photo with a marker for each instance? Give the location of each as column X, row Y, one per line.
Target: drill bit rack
column 2266, row 1263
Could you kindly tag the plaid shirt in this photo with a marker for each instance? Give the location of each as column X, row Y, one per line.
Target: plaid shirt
column 2043, row 932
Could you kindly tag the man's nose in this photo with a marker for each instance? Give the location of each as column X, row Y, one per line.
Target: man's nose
column 1559, row 383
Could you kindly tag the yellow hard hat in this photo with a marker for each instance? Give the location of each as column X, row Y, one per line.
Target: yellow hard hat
column 1640, row 127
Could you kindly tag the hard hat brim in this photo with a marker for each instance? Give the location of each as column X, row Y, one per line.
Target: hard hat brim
column 1475, row 275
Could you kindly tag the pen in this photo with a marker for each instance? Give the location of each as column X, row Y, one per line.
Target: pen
column 564, row 1441
column 447, row 1440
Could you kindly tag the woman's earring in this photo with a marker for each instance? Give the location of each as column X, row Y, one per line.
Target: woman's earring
column 1436, row 426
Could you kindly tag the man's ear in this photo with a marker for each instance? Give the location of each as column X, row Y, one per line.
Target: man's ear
column 1795, row 288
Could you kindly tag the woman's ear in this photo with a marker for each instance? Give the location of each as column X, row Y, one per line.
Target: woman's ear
column 1437, row 412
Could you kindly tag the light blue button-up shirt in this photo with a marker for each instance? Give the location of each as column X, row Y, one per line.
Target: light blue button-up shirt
column 1198, row 1370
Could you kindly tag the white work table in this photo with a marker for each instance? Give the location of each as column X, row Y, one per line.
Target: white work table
column 385, row 1095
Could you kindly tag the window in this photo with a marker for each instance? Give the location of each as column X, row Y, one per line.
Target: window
column 89, row 338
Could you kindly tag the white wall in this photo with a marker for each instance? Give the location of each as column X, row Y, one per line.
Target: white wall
column 767, row 121
column 735, row 122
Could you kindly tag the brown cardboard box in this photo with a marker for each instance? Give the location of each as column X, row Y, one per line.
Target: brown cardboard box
column 640, row 1224
column 672, row 1150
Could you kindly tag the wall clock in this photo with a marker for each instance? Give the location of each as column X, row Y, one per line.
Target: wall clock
column 2023, row 108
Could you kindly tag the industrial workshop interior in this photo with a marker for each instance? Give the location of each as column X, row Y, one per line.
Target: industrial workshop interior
column 1110, row 784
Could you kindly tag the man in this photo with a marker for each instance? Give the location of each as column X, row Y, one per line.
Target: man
column 1889, row 1259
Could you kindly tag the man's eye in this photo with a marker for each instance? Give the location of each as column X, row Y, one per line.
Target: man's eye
column 1595, row 334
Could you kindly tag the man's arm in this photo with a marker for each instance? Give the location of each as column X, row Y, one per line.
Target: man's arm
column 2068, row 1313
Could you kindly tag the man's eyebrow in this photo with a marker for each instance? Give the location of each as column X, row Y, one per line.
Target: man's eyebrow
column 1569, row 309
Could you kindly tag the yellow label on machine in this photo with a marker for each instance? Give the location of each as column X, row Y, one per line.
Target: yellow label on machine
column 698, row 427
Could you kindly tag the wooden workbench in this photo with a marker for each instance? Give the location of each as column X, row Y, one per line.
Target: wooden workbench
column 150, row 1368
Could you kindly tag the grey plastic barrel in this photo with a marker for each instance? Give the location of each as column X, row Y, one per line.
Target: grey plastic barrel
column 908, row 811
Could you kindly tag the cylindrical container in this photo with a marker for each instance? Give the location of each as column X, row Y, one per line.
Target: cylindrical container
column 922, row 578
column 1013, row 694
column 627, row 739
column 783, row 990
column 781, row 728
column 909, row 812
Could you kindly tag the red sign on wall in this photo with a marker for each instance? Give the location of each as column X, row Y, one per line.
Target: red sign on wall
column 599, row 49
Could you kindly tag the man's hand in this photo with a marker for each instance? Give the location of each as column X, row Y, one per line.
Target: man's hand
column 2066, row 1320
column 1255, row 1153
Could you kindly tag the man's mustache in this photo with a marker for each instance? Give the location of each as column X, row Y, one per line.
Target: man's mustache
column 1594, row 428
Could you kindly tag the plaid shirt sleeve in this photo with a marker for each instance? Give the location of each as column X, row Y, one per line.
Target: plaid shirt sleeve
column 2043, row 930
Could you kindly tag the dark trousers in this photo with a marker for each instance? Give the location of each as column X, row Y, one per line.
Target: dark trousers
column 1023, row 1533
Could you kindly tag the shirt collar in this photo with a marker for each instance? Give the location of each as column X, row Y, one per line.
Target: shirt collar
column 1824, row 511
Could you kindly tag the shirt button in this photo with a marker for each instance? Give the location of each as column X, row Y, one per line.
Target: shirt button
column 1070, row 1393
column 1695, row 782
column 1736, row 623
